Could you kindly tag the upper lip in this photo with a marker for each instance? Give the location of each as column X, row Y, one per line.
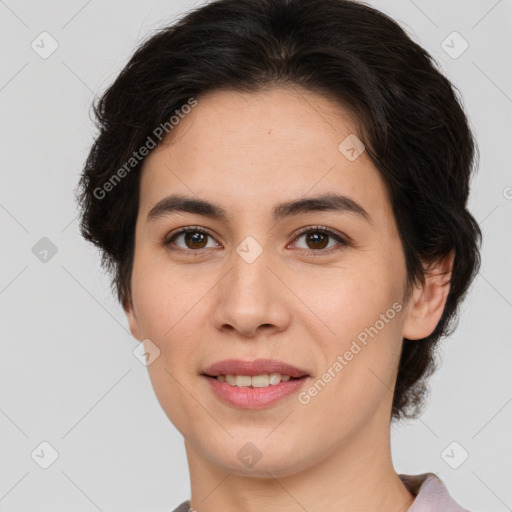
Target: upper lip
column 252, row 368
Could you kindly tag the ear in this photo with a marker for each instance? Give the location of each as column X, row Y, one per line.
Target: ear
column 131, row 315
column 427, row 300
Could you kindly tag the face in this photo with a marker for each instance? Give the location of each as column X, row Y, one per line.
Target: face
column 304, row 286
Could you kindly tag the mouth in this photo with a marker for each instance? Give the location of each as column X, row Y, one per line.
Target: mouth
column 254, row 391
column 254, row 384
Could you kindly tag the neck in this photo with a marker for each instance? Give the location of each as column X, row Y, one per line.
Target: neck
column 357, row 474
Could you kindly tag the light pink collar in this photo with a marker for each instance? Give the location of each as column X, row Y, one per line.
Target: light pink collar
column 431, row 494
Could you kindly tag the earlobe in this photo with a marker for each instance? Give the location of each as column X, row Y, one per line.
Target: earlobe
column 132, row 319
column 427, row 300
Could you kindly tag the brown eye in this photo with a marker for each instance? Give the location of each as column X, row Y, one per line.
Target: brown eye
column 195, row 239
column 318, row 239
column 190, row 240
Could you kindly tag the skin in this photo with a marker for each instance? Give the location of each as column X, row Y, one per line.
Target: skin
column 248, row 152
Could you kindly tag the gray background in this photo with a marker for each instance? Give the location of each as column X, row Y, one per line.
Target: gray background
column 68, row 375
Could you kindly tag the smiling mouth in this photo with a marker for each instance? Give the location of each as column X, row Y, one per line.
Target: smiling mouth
column 256, row 391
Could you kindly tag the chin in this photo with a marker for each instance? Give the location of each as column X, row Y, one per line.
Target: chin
column 257, row 456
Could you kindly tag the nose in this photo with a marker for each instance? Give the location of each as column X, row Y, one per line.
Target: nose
column 253, row 299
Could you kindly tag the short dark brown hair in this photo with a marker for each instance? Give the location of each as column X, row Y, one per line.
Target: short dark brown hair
column 409, row 118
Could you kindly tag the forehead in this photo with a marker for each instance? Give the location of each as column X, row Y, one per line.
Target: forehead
column 248, row 149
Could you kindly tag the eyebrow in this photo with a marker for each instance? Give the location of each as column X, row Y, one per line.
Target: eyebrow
column 338, row 203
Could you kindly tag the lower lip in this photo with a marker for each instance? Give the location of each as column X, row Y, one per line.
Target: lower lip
column 254, row 398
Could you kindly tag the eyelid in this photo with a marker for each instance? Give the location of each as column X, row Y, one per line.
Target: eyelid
column 325, row 229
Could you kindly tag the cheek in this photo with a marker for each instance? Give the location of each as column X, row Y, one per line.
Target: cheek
column 164, row 303
column 363, row 353
column 170, row 304
column 157, row 293
column 350, row 298
column 152, row 301
column 361, row 305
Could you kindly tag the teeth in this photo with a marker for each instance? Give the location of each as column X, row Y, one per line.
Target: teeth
column 258, row 381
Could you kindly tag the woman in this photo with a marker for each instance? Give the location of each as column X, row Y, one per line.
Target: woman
column 280, row 190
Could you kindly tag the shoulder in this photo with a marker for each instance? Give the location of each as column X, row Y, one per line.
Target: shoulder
column 184, row 507
column 430, row 494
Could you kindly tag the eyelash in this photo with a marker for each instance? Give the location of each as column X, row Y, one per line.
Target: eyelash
column 313, row 229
